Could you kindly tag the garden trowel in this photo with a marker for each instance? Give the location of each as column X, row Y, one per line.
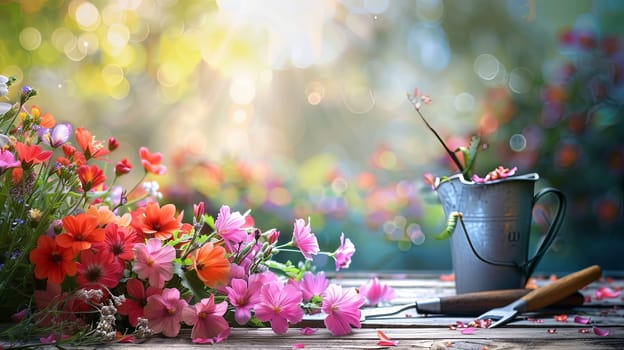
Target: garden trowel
column 468, row 304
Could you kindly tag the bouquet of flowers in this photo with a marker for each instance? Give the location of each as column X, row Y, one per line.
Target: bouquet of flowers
column 87, row 261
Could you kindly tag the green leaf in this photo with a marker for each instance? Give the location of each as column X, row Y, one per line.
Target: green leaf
column 195, row 285
column 470, row 155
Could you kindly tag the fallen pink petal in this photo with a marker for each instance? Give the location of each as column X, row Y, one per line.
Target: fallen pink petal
column 468, row 330
column 551, row 330
column 298, row 346
column 582, row 319
column 601, row 332
column 308, row 331
column 203, row 341
column 607, row 292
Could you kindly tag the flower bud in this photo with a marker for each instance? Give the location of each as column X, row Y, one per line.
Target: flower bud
column 198, row 210
column 34, row 215
column 57, row 226
column 122, row 167
column 113, row 144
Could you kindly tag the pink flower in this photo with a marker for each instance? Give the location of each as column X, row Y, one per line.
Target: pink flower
column 343, row 254
column 164, row 312
column 98, row 268
column 304, row 239
column 279, row 304
column 7, row 160
column 342, row 308
column 243, row 299
column 496, row 174
column 417, row 97
column 154, row 262
column 208, row 321
column 376, row 292
column 231, row 226
column 313, row 285
column 136, row 298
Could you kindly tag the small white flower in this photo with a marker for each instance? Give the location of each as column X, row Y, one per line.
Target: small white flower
column 152, row 188
column 4, row 107
column 4, row 89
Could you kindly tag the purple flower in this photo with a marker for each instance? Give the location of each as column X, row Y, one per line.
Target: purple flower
column 57, row 136
column 7, row 160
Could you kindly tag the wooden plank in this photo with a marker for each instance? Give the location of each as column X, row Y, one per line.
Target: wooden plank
column 498, row 338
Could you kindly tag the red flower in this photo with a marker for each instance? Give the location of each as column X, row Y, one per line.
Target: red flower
column 90, row 176
column 51, row 261
column 122, row 167
column 97, row 268
column 92, row 148
column 157, row 222
column 118, row 241
column 30, row 155
column 136, row 299
column 80, row 233
column 151, row 161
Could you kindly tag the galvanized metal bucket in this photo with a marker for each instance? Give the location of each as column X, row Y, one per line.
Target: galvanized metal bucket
column 490, row 249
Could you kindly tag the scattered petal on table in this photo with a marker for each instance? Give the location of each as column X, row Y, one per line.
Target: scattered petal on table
column 601, row 331
column 308, row 331
column 468, row 330
column 581, row 319
column 384, row 340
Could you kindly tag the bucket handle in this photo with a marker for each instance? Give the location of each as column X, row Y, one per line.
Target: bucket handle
column 530, row 265
column 555, row 225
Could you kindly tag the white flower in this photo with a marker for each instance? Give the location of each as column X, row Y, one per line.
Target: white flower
column 4, row 107
column 4, row 89
column 152, row 188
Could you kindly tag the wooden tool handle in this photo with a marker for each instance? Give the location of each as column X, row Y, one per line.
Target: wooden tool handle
column 560, row 289
column 479, row 302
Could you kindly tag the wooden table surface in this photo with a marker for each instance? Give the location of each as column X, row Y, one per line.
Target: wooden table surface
column 538, row 330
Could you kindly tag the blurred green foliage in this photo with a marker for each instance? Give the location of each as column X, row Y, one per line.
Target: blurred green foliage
column 300, row 110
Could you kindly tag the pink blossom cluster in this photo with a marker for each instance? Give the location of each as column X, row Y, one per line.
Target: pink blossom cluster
column 249, row 289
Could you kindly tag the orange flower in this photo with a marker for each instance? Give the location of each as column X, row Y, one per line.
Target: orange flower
column 47, row 121
column 211, row 265
column 157, row 222
column 91, row 176
column 52, row 261
column 92, row 148
column 80, row 232
column 103, row 214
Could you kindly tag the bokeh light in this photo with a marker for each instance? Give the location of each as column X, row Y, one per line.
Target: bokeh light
column 299, row 108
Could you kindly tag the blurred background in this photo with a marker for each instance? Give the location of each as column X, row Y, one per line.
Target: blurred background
column 298, row 108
